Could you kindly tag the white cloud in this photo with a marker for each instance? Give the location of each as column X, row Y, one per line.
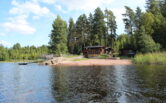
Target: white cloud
column 28, row 8
column 59, row 8
column 14, row 2
column 5, row 43
column 18, row 24
column 86, row 5
column 48, row 1
column 45, row 1
column 22, row 12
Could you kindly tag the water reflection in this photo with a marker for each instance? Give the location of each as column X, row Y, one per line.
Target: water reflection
column 79, row 84
column 153, row 84
column 110, row 84
column 123, row 84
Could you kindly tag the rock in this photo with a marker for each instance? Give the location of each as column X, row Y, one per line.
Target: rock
column 46, row 63
column 52, row 62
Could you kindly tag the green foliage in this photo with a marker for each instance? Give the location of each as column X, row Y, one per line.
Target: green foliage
column 91, row 30
column 159, row 34
column 111, row 27
column 145, row 43
column 147, row 29
column 163, row 8
column 16, row 46
column 4, row 55
column 70, row 36
column 138, row 16
column 150, row 58
column 129, row 20
column 116, row 46
column 158, row 16
column 147, row 21
column 98, row 27
column 58, row 37
column 123, row 41
column 81, row 35
column 22, row 53
column 153, row 6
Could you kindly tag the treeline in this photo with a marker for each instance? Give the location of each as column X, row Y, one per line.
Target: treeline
column 95, row 29
column 22, row 53
column 145, row 31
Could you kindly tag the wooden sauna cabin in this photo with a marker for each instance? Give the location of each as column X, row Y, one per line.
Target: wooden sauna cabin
column 93, row 51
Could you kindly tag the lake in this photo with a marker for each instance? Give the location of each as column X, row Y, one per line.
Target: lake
column 35, row 83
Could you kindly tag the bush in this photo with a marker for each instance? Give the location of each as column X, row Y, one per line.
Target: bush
column 147, row 44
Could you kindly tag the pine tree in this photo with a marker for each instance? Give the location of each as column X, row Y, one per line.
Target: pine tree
column 138, row 16
column 70, row 37
column 81, row 29
column 90, row 29
column 163, row 8
column 129, row 20
column 58, row 37
column 153, row 6
column 111, row 27
column 98, row 27
column 16, row 46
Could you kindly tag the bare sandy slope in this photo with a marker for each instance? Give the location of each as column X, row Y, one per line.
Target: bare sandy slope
column 94, row 62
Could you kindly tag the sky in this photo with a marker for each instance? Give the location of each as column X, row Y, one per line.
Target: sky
column 29, row 22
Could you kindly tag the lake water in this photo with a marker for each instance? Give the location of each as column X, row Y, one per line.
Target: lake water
column 35, row 83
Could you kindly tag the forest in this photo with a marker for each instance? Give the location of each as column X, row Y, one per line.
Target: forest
column 22, row 53
column 144, row 31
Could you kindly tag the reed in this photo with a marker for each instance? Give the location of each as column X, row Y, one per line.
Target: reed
column 150, row 58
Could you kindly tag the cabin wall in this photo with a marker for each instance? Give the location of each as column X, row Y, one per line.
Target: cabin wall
column 93, row 52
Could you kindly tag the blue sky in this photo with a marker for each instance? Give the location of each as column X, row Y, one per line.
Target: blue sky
column 29, row 22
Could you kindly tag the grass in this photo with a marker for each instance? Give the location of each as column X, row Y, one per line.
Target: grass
column 71, row 56
column 80, row 59
column 125, row 57
column 150, row 58
column 103, row 56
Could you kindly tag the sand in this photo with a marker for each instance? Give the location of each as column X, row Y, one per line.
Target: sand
column 95, row 62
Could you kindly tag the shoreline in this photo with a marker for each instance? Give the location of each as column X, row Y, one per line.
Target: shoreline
column 17, row 61
column 78, row 61
column 88, row 62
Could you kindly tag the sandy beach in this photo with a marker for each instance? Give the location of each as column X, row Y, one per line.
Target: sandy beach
column 95, row 62
column 88, row 62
